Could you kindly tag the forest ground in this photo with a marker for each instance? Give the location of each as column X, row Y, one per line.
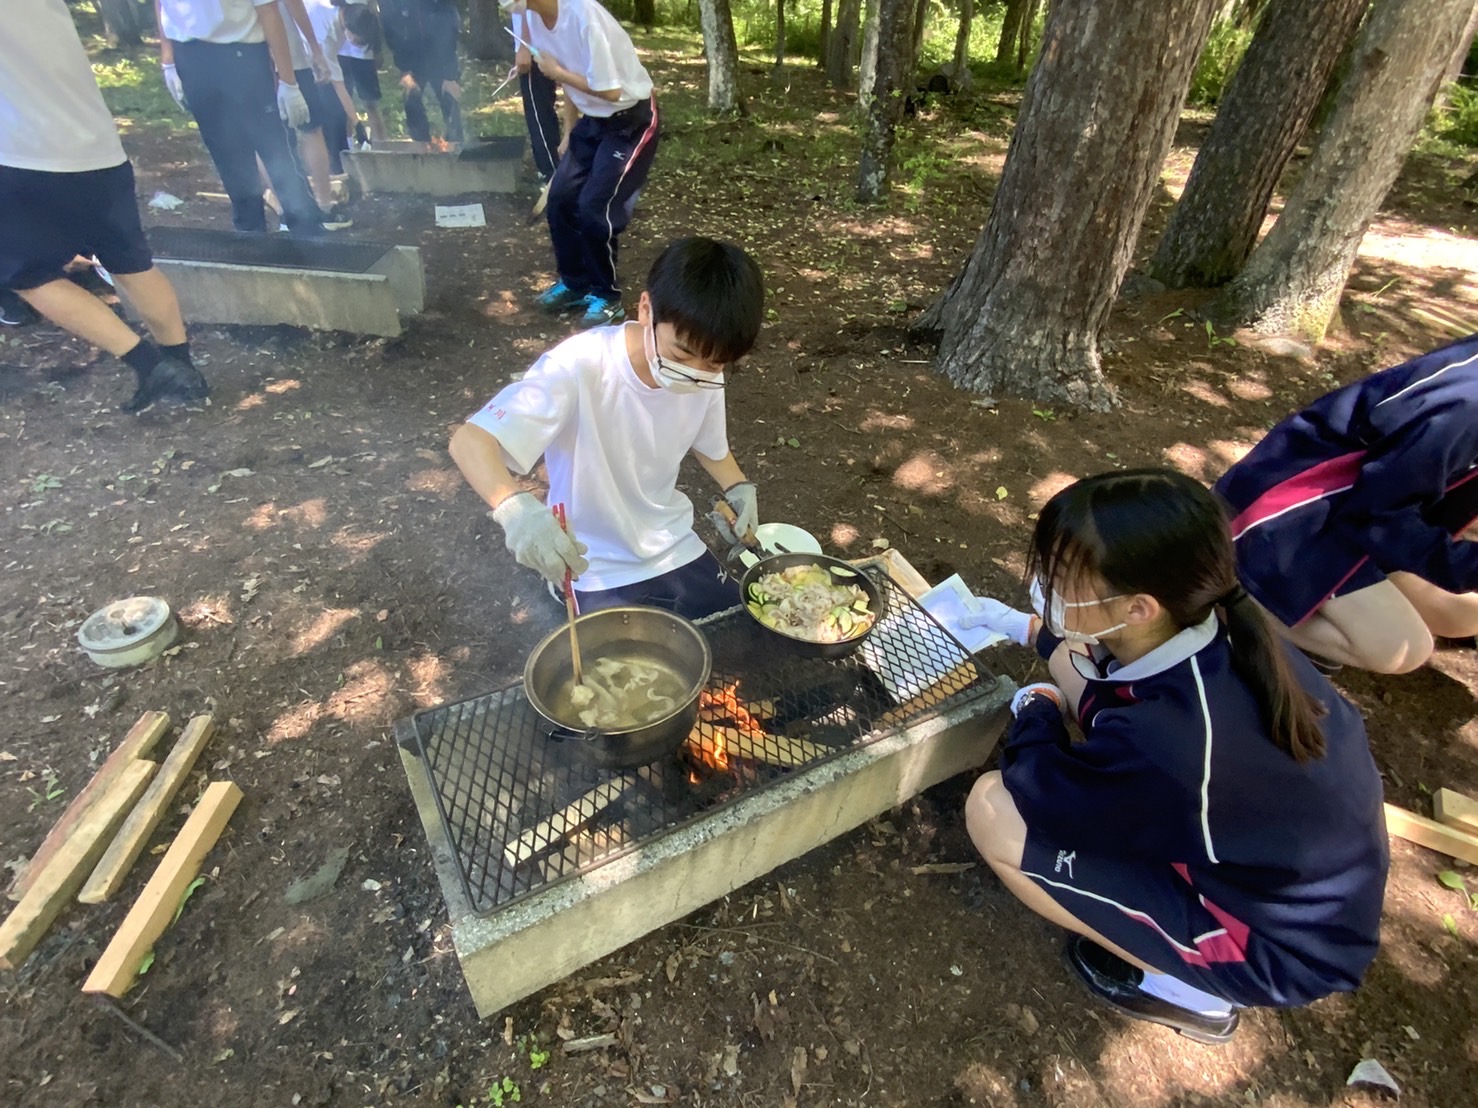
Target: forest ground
column 333, row 574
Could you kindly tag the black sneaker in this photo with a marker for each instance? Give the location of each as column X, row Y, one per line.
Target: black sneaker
column 15, row 312
column 171, row 381
column 335, row 218
column 1116, row 983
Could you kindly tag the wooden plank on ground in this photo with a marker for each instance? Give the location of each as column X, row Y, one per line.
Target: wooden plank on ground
column 59, row 879
column 156, row 905
column 1455, row 810
column 1431, row 834
column 139, row 741
column 133, row 836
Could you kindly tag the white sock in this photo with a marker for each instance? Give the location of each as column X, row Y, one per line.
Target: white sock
column 1180, row 994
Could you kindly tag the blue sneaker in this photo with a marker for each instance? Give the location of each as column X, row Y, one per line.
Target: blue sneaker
column 599, row 311
column 559, row 297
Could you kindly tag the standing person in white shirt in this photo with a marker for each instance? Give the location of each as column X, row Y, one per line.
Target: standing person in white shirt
column 66, row 189
column 310, row 52
column 359, row 59
column 613, row 411
column 610, row 140
column 229, row 64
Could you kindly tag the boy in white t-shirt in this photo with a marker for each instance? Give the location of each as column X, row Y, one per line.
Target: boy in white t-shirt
column 613, row 411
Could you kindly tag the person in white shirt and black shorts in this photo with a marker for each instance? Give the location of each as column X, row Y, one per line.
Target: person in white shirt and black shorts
column 67, row 189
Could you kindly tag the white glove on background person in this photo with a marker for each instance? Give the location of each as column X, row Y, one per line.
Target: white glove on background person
column 998, row 617
column 536, row 539
column 1028, row 693
column 745, row 501
column 172, row 82
column 291, row 105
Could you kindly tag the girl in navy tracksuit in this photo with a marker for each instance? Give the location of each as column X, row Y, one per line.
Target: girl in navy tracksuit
column 1216, row 840
column 1354, row 518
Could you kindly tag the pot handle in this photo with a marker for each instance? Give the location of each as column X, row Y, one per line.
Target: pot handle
column 559, row 734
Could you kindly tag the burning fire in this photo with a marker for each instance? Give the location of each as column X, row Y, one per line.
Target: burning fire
column 719, row 706
column 439, row 144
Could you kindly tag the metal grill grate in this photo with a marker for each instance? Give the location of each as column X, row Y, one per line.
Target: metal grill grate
column 523, row 811
column 203, row 244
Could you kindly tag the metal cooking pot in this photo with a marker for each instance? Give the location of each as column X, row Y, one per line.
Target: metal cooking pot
column 778, row 562
column 643, row 634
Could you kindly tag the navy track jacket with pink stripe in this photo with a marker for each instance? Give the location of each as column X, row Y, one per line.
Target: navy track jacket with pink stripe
column 1177, row 770
column 1381, row 473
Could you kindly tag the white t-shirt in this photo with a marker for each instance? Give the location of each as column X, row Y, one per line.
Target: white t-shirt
column 587, row 40
column 329, row 29
column 299, row 50
column 348, row 49
column 52, row 116
column 223, row 21
column 612, row 447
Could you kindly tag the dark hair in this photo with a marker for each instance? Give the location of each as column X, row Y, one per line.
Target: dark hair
column 712, row 293
column 1159, row 532
column 361, row 21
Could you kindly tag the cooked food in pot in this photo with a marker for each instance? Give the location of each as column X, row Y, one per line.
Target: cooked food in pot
column 813, row 602
column 620, row 694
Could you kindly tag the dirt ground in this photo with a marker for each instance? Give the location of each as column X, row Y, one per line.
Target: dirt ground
column 332, row 574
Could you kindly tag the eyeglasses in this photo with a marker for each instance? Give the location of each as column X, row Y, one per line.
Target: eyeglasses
column 674, row 373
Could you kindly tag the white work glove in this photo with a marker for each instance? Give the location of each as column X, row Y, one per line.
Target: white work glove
column 536, row 539
column 172, row 82
column 745, row 502
column 1001, row 618
column 291, row 105
column 1028, row 693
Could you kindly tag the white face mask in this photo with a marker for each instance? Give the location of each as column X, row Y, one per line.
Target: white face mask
column 675, row 377
column 1056, row 620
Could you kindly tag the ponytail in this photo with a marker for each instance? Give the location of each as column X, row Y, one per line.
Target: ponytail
column 1261, row 659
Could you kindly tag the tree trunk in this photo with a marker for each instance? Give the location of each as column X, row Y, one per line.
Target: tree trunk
column 723, row 56
column 1097, row 118
column 646, row 14
column 892, row 82
column 960, row 67
column 1024, row 41
column 1263, row 115
column 920, row 23
column 841, row 49
column 124, row 21
column 486, row 40
column 1293, row 281
column 1010, row 31
column 824, row 39
column 779, row 38
column 867, row 68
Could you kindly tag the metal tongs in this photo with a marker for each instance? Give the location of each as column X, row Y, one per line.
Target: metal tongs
column 749, row 542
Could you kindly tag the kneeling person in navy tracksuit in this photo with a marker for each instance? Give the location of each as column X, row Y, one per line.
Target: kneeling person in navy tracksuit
column 1217, row 840
column 606, row 152
column 1354, row 519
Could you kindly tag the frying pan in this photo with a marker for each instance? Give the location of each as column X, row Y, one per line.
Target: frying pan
column 842, row 574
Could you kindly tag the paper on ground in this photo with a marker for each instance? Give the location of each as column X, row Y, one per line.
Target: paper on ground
column 460, row 215
column 946, row 602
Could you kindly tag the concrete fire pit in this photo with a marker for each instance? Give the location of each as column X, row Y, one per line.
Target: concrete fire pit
column 530, row 905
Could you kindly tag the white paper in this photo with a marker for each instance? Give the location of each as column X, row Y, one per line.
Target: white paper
column 165, row 202
column 947, row 602
column 460, row 215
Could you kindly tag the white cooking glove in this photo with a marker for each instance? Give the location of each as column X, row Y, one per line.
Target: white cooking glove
column 1001, row 618
column 536, row 539
column 172, row 82
column 291, row 105
column 1030, row 692
column 745, row 502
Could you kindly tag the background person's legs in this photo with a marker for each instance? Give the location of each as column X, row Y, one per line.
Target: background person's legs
column 417, row 125
column 75, row 310
column 1375, row 628
column 451, row 114
column 617, row 172
column 1450, row 615
column 209, row 72
column 542, row 119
